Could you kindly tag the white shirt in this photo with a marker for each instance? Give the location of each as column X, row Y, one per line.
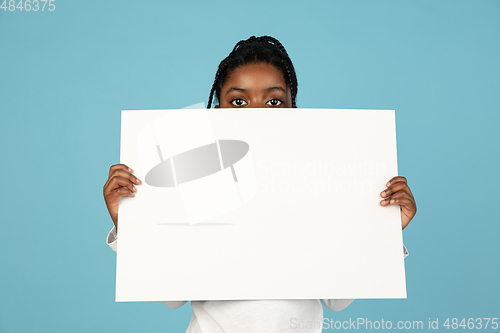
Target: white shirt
column 255, row 315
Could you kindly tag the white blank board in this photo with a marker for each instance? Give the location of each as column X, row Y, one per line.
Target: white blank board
column 294, row 213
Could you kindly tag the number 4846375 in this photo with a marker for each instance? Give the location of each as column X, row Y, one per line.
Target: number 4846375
column 28, row 5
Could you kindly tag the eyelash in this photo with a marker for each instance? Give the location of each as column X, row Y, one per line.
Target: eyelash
column 275, row 99
column 240, row 99
column 237, row 99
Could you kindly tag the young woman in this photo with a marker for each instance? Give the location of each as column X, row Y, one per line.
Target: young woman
column 258, row 73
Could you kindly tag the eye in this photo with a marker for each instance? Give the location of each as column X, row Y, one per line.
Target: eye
column 275, row 102
column 238, row 102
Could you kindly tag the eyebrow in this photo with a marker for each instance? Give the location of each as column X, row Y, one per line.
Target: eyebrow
column 275, row 88
column 235, row 89
column 265, row 89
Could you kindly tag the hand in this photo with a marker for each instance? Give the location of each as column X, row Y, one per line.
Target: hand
column 120, row 183
column 398, row 193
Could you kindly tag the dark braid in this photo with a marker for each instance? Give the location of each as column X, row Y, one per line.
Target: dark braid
column 254, row 50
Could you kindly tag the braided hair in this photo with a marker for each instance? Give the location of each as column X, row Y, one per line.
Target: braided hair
column 264, row 49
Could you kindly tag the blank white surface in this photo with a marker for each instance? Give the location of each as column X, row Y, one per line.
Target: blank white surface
column 182, row 130
column 210, row 196
column 148, row 154
column 314, row 229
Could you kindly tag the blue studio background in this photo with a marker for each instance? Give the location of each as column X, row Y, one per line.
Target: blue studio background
column 66, row 74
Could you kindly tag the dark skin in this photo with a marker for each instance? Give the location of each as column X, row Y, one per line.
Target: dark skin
column 255, row 85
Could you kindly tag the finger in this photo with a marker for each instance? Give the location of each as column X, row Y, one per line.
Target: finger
column 118, row 182
column 398, row 198
column 124, row 174
column 402, row 195
column 406, row 204
column 118, row 193
column 393, row 200
column 384, row 202
column 396, row 179
column 394, row 188
column 115, row 167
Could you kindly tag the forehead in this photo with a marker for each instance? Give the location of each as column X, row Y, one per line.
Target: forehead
column 261, row 74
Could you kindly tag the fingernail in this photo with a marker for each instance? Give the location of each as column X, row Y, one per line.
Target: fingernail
column 130, row 170
column 134, row 189
column 388, row 184
column 132, row 194
column 384, row 193
column 393, row 201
